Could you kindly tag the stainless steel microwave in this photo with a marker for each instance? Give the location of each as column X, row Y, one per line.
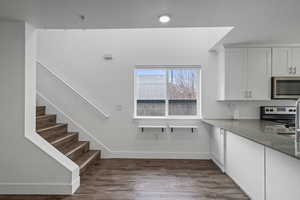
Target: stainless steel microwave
column 285, row 87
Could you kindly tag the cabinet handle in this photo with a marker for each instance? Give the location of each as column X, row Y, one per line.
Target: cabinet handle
column 248, row 94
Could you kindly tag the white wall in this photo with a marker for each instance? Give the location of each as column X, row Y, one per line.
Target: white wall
column 28, row 164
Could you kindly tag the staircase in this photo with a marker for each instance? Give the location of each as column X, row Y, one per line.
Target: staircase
column 66, row 142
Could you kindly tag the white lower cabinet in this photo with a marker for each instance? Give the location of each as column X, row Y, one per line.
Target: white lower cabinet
column 282, row 176
column 261, row 172
column 217, row 146
column 245, row 165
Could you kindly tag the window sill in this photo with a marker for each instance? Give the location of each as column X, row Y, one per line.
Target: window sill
column 170, row 118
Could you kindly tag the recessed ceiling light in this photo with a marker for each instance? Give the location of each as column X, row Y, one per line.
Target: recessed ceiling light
column 164, row 19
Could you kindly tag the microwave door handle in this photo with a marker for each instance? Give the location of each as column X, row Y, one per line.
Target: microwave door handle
column 297, row 121
column 297, row 114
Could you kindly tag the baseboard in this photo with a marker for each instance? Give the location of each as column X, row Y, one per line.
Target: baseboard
column 39, row 188
column 160, row 155
column 218, row 163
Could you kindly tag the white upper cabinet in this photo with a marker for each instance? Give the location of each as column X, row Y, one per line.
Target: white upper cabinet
column 286, row 62
column 281, row 62
column 296, row 60
column 245, row 74
column 235, row 73
column 259, row 73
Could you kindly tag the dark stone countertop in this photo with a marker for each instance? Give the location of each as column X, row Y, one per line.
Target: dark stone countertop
column 260, row 132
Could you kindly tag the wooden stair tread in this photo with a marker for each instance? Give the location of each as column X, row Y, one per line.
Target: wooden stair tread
column 68, row 150
column 44, row 116
column 86, row 159
column 57, row 139
column 51, row 127
column 66, row 142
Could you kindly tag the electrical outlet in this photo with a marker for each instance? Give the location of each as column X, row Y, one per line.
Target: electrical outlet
column 119, row 107
column 107, row 57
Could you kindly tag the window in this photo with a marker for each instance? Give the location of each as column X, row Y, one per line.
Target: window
column 169, row 92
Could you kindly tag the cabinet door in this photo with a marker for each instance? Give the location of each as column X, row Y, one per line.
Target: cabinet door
column 244, row 163
column 295, row 63
column 217, row 146
column 282, row 176
column 259, row 73
column 235, row 74
column 281, row 65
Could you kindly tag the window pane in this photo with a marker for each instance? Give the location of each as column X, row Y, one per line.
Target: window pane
column 151, row 107
column 182, row 91
column 151, row 92
column 151, row 84
column 182, row 84
column 183, row 107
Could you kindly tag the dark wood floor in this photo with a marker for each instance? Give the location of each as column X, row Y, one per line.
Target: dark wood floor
column 129, row 179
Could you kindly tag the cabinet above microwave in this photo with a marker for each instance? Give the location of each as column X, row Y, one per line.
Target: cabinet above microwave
column 286, row 61
column 244, row 74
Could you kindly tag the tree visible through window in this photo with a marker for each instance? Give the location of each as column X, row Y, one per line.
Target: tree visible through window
column 166, row 92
